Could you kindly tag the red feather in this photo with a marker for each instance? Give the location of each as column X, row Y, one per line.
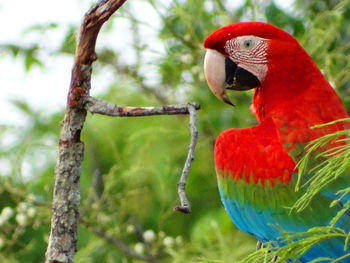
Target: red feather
column 293, row 97
column 253, row 154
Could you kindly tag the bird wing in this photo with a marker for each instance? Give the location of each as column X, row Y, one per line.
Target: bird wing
column 257, row 179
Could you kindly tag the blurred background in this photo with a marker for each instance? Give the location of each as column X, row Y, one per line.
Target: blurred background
column 150, row 53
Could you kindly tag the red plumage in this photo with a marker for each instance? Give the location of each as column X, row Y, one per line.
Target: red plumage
column 293, row 97
column 254, row 154
column 256, row 169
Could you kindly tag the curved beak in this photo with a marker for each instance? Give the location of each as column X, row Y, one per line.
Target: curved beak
column 222, row 73
column 215, row 74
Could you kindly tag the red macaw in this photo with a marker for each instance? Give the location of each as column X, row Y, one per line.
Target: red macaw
column 255, row 166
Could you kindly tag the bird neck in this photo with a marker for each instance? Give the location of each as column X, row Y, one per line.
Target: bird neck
column 290, row 75
column 298, row 103
column 296, row 86
column 307, row 97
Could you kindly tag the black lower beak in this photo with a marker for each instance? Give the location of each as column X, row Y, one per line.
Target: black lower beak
column 238, row 78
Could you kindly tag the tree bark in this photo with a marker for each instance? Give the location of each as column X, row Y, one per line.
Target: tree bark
column 66, row 198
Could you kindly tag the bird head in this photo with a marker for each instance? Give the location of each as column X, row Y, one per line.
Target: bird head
column 238, row 56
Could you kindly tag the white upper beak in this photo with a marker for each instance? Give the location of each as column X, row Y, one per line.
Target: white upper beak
column 214, row 70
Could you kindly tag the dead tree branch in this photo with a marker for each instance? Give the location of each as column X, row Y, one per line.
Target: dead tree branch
column 185, row 206
column 102, row 107
column 98, row 106
column 66, row 198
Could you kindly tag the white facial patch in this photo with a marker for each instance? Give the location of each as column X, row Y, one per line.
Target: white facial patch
column 250, row 53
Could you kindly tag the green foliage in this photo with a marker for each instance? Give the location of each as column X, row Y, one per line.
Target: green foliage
column 69, row 41
column 329, row 164
column 327, row 40
column 298, row 244
column 131, row 166
column 29, row 54
column 280, row 18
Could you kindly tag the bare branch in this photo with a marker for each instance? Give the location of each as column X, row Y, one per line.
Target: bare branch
column 66, row 200
column 98, row 106
column 185, row 206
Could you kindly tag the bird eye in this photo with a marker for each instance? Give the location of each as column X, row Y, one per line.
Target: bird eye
column 248, row 43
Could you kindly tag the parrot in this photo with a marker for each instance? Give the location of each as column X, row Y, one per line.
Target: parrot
column 256, row 166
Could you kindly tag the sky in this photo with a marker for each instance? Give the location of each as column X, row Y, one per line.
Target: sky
column 43, row 88
column 46, row 88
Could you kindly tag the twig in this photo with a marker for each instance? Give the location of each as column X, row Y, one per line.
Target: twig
column 120, row 244
column 185, row 206
column 98, row 106
column 260, row 245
